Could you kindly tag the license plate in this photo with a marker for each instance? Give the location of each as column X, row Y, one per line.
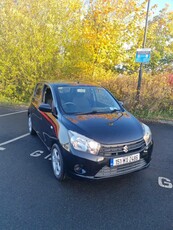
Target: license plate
column 125, row 160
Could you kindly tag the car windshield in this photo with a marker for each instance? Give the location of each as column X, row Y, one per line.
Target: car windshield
column 86, row 100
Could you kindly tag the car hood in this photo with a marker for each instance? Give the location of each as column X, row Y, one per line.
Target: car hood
column 110, row 128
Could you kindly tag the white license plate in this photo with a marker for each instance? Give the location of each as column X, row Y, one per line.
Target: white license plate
column 125, row 160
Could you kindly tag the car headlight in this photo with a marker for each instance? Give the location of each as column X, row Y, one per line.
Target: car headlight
column 147, row 134
column 84, row 144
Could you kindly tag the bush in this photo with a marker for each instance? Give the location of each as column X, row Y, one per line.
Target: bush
column 156, row 96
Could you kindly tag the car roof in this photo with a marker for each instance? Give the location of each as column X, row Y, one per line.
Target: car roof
column 68, row 84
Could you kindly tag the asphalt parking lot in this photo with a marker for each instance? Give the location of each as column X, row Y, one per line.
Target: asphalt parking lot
column 31, row 198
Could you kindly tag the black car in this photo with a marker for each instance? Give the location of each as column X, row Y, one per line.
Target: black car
column 88, row 132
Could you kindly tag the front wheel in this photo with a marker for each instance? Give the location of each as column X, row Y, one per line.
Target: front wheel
column 31, row 130
column 57, row 163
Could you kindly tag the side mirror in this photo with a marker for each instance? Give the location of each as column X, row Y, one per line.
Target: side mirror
column 45, row 108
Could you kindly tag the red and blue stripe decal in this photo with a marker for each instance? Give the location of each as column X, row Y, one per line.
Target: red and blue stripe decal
column 50, row 121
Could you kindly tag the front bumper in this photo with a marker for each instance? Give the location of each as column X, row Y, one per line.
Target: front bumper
column 94, row 167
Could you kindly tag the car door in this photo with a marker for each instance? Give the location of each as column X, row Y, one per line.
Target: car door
column 49, row 121
column 35, row 114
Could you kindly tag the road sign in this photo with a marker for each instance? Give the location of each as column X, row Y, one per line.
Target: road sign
column 143, row 55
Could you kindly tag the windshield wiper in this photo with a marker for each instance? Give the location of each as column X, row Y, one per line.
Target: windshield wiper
column 90, row 112
column 96, row 112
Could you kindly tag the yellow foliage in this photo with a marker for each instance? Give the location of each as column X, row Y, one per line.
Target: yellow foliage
column 50, row 39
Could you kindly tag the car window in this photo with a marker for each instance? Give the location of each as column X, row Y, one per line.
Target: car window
column 102, row 96
column 87, row 99
column 38, row 91
column 47, row 96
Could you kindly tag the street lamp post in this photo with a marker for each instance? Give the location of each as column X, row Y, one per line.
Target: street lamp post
column 143, row 46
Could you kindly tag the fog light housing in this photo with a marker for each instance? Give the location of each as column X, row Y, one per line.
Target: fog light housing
column 79, row 169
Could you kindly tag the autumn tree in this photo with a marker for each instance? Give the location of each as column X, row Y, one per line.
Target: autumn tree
column 78, row 40
column 160, row 40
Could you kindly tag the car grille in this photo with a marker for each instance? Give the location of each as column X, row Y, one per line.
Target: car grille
column 115, row 150
column 121, row 169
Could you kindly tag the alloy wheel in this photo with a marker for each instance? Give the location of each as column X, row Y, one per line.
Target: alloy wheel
column 56, row 162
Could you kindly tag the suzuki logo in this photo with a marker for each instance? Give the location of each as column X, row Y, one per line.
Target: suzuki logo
column 125, row 149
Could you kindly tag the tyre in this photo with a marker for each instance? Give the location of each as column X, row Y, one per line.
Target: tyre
column 31, row 130
column 58, row 163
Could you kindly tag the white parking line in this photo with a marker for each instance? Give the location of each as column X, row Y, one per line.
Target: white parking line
column 1, row 148
column 47, row 156
column 14, row 139
column 8, row 114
